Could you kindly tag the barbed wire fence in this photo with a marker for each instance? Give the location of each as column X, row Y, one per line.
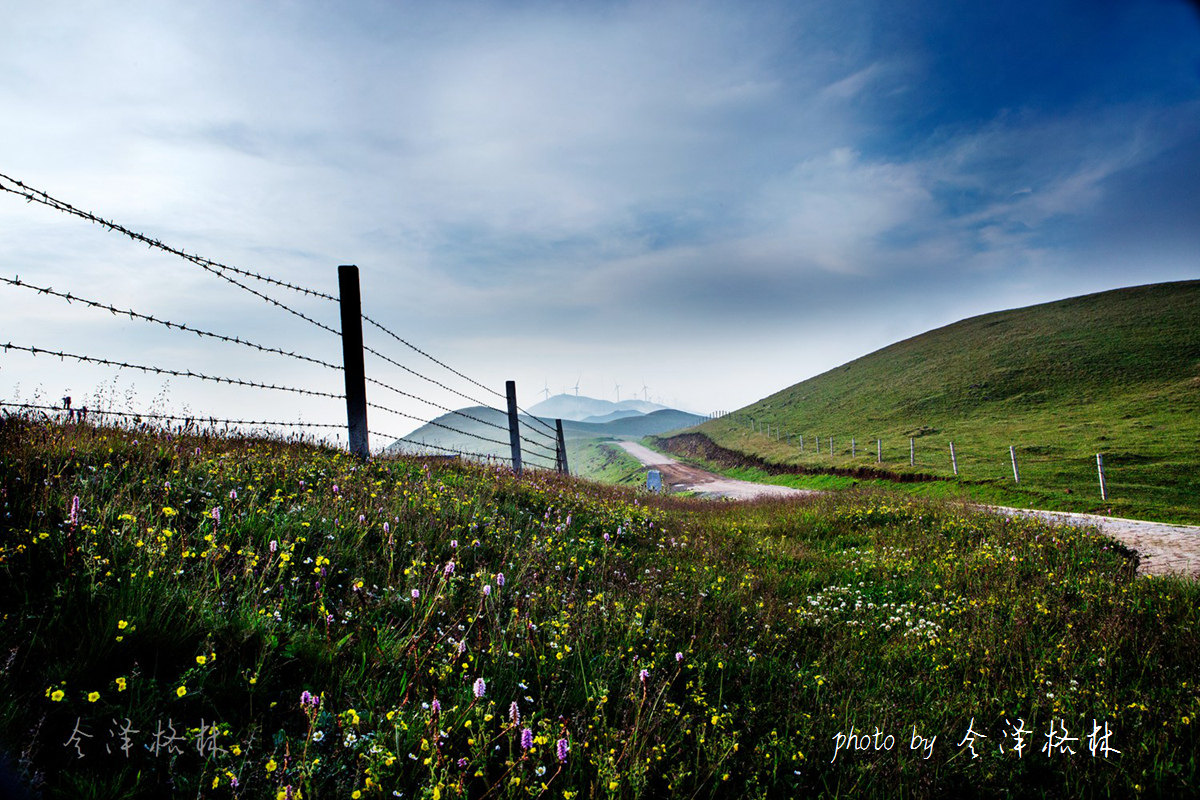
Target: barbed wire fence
column 926, row 458
column 531, row 440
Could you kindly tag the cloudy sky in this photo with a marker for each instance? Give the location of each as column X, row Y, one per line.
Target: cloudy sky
column 711, row 200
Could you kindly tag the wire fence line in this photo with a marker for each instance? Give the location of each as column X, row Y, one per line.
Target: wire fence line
column 225, row 272
column 125, row 312
column 1054, row 464
column 38, row 196
column 83, row 412
column 71, row 298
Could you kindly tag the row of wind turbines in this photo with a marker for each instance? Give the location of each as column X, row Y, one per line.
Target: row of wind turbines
column 545, row 392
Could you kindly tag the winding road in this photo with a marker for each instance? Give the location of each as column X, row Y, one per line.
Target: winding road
column 1163, row 549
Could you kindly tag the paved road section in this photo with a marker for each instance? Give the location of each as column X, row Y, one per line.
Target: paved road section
column 1163, row 549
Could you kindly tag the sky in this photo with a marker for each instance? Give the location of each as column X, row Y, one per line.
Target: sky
column 701, row 202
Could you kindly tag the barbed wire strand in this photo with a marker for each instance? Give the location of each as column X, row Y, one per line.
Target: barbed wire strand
column 443, row 426
column 165, row 371
column 446, row 366
column 455, row 412
column 467, row 453
column 84, row 411
column 38, row 196
column 70, row 298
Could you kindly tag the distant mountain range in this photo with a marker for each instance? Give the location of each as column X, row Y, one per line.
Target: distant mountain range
column 485, row 430
column 583, row 409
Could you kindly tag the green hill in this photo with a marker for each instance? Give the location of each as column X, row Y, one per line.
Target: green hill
column 1116, row 373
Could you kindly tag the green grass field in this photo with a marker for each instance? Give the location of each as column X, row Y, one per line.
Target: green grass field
column 1116, row 373
column 194, row 616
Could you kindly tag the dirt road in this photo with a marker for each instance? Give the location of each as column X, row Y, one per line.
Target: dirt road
column 685, row 478
column 1163, row 549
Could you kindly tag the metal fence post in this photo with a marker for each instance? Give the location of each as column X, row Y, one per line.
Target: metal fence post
column 1012, row 452
column 352, row 360
column 514, row 433
column 1100, row 469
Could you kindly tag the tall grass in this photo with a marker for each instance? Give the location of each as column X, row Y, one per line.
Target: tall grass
column 311, row 626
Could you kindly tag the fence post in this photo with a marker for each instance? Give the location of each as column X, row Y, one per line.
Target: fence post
column 1012, row 452
column 912, row 452
column 562, row 449
column 514, row 433
column 953, row 460
column 831, row 447
column 879, row 451
column 1100, row 469
column 350, row 302
column 853, row 448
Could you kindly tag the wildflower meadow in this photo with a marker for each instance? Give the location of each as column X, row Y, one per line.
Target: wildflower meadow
column 194, row 615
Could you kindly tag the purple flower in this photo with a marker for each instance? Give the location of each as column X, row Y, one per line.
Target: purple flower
column 233, row 494
column 335, row 489
column 75, row 510
column 480, row 687
column 273, row 545
column 606, row 536
column 387, row 528
column 216, row 516
column 514, row 713
column 416, row 593
column 449, row 570
column 526, row 739
column 562, row 747
column 435, row 706
column 644, row 674
column 362, row 518
column 487, row 589
column 308, row 699
column 679, row 656
column 499, row 578
column 453, row 543
column 462, row 763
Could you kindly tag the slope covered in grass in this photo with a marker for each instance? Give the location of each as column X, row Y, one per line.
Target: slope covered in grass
column 194, row 616
column 1116, row 373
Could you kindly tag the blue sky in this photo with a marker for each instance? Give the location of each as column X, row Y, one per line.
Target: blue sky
column 711, row 199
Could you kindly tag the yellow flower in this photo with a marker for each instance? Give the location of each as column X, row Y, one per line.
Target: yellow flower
column 122, row 624
column 168, row 511
column 271, row 765
column 201, row 660
column 356, row 794
column 93, row 697
column 181, row 691
column 57, row 695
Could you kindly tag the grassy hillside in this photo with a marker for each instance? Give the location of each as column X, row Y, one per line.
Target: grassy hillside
column 1116, row 373
column 202, row 617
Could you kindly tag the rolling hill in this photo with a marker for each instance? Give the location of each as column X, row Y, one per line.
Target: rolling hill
column 485, row 431
column 1116, row 373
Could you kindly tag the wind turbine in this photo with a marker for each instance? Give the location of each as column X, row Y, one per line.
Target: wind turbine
column 618, row 392
column 645, row 391
column 546, row 391
column 577, row 384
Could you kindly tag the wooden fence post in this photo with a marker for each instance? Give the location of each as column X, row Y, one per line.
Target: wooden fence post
column 350, row 302
column 1100, row 469
column 853, row 448
column 514, row 433
column 953, row 460
column 562, row 449
column 1012, row 452
column 912, row 452
column 879, row 451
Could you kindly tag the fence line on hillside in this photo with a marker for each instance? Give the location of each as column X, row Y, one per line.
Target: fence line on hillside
column 548, row 447
column 1016, row 461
